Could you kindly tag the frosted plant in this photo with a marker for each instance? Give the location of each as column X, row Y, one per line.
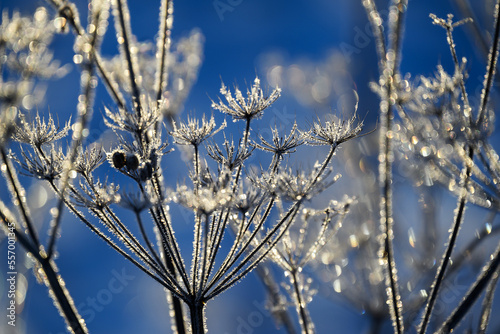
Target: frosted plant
column 241, row 108
column 218, row 200
column 282, row 145
column 38, row 133
column 441, row 135
column 232, row 157
column 389, row 57
column 443, row 130
column 302, row 243
column 194, row 134
column 299, row 245
column 181, row 69
column 334, row 132
column 25, row 58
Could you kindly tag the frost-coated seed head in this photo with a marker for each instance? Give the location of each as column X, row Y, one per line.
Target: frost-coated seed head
column 118, row 159
column 249, row 107
column 132, row 162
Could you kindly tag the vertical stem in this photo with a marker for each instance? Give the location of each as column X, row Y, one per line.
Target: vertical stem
column 488, row 303
column 62, row 298
column 197, row 312
column 387, row 79
column 19, row 193
column 490, row 72
column 449, row 249
column 175, row 303
column 196, row 168
column 123, row 28
column 163, row 47
column 281, row 313
column 243, row 148
column 304, row 317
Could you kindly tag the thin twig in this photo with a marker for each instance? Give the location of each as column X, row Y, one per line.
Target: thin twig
column 19, row 194
column 163, row 47
column 488, row 303
column 473, row 294
column 123, row 28
column 389, row 63
column 304, row 317
column 464, row 181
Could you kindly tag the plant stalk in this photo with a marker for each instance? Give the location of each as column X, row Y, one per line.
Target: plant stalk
column 197, row 312
column 62, row 297
column 304, row 317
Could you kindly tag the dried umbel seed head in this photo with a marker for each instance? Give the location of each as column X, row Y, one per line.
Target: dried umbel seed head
column 146, row 172
column 132, row 162
column 118, row 159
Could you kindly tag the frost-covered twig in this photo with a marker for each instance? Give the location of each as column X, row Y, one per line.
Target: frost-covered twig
column 466, row 173
column 98, row 22
column 488, row 303
column 389, row 64
column 52, row 279
column 488, row 271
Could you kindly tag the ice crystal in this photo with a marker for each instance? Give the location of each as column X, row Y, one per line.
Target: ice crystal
column 88, row 160
column 232, row 157
column 124, row 120
column 282, row 145
column 48, row 166
column 192, row 133
column 39, row 132
column 212, row 195
column 98, row 195
column 300, row 185
column 247, row 108
column 333, row 132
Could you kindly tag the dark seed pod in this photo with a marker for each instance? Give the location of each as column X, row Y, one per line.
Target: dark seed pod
column 146, row 172
column 118, row 159
column 132, row 162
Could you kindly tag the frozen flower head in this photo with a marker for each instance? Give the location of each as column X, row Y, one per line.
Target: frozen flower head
column 212, row 195
column 97, row 196
column 194, row 134
column 334, row 132
column 247, row 199
column 300, row 185
column 282, row 145
column 247, row 108
column 38, row 132
column 48, row 166
column 124, row 120
column 232, row 158
column 89, row 159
